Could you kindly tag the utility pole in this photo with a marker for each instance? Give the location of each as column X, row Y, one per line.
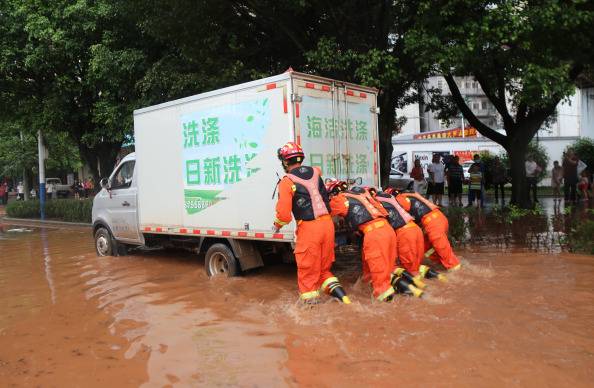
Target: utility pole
column 41, row 151
column 25, row 177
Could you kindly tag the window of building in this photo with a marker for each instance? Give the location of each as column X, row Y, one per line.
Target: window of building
column 475, row 85
column 475, row 105
column 440, row 84
column 484, row 105
column 467, row 84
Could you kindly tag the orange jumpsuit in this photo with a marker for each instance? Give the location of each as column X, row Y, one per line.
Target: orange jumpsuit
column 314, row 245
column 379, row 247
column 435, row 224
column 409, row 237
column 411, row 246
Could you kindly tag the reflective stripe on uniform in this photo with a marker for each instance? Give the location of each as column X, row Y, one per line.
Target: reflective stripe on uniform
column 375, row 225
column 309, row 295
column 281, row 223
column 328, row 281
column 389, row 292
column 433, row 214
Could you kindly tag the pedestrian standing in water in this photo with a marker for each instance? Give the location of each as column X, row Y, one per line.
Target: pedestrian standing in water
column 471, row 197
column 532, row 171
column 455, row 175
column 419, row 183
column 570, row 175
column 436, row 173
column 584, row 185
column 499, row 179
column 556, row 181
column 475, row 185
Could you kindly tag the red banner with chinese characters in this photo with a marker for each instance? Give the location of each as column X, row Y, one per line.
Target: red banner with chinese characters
column 465, row 156
column 450, row 133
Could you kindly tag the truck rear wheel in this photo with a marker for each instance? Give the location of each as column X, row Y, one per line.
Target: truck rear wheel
column 219, row 260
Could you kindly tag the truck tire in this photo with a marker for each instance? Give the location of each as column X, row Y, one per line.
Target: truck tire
column 104, row 242
column 220, row 261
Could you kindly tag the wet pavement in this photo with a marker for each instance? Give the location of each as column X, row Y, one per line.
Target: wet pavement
column 153, row 319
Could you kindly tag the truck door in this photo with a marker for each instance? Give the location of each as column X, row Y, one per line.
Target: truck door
column 122, row 203
column 337, row 127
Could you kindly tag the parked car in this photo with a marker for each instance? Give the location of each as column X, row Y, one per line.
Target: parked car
column 465, row 167
column 59, row 188
column 400, row 180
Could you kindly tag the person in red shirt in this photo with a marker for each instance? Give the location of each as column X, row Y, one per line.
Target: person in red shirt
column 302, row 193
column 435, row 224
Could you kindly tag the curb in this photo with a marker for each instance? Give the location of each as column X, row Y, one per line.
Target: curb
column 46, row 222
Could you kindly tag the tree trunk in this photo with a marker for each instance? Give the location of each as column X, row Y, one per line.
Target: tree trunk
column 517, row 159
column 387, row 104
column 101, row 158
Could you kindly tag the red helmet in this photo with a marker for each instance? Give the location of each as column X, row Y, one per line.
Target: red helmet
column 334, row 185
column 291, row 150
column 391, row 191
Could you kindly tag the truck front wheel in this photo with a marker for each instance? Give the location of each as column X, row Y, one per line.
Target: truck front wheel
column 103, row 242
column 219, row 260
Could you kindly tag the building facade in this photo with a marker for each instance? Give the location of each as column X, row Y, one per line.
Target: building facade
column 424, row 133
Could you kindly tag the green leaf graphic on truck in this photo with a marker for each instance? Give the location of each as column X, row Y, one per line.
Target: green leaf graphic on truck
column 218, row 146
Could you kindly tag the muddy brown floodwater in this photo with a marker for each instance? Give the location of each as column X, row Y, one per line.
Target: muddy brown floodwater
column 153, row 319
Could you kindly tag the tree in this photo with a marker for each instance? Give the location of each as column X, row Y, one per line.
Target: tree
column 72, row 67
column 526, row 55
column 355, row 41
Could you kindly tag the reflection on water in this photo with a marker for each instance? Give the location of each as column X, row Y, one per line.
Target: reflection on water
column 69, row 318
column 551, row 227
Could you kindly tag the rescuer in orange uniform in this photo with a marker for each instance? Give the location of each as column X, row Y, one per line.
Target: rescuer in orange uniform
column 379, row 241
column 409, row 237
column 303, row 193
column 435, row 225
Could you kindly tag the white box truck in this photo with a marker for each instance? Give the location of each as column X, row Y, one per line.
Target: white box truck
column 205, row 167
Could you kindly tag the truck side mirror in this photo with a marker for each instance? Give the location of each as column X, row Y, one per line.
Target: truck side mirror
column 104, row 183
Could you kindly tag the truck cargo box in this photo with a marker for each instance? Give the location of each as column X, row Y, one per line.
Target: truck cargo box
column 206, row 165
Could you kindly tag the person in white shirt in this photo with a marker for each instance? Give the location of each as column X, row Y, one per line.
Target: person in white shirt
column 50, row 190
column 436, row 172
column 20, row 191
column 532, row 170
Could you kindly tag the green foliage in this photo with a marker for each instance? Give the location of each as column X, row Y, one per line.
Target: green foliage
column 71, row 67
column 457, row 218
column 580, row 238
column 69, row 210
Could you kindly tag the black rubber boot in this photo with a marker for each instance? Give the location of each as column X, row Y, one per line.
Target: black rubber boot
column 333, row 287
column 416, row 280
column 403, row 286
column 429, row 273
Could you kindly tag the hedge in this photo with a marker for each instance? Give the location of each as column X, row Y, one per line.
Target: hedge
column 70, row 210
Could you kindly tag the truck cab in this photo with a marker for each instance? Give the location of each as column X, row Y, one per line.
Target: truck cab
column 115, row 209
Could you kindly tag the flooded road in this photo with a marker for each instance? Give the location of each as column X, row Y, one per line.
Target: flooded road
column 153, row 319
